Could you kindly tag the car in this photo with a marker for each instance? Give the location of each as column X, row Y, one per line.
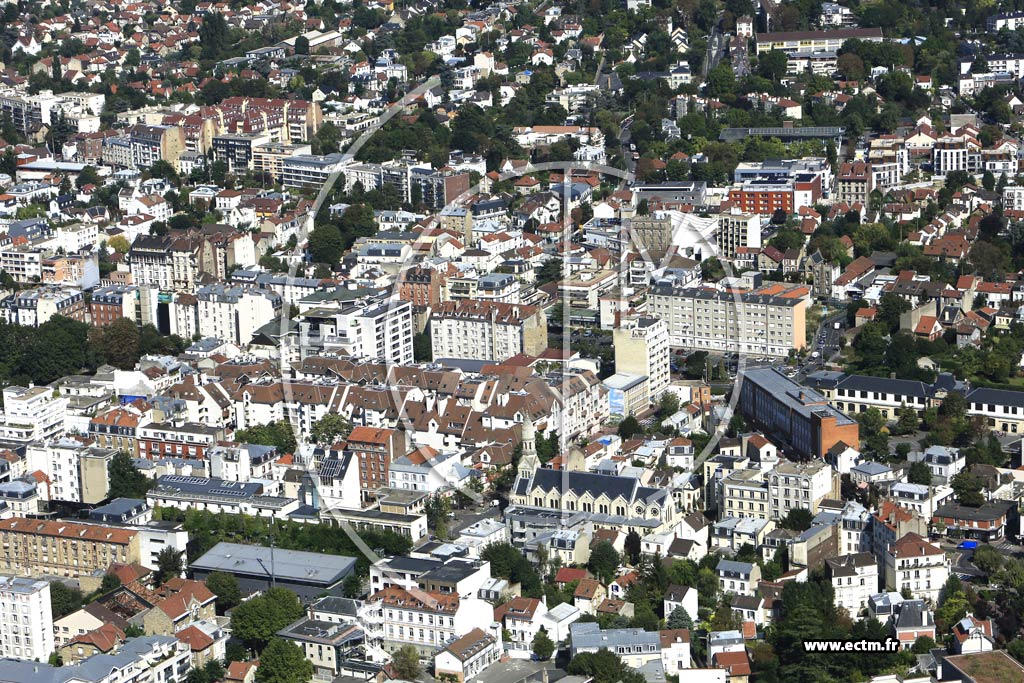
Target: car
column 968, row 545
column 815, row 355
column 495, row 503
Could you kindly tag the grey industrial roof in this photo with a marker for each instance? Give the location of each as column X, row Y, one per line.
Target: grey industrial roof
column 254, row 560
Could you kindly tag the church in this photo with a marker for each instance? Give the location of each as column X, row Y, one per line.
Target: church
column 608, row 501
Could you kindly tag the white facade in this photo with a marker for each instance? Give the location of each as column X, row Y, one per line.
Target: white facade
column 26, row 623
column 32, row 414
column 916, row 565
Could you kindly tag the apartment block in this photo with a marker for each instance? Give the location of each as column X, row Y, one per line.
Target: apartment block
column 486, row 330
column 799, row 485
column 913, row 564
column 642, row 347
column 767, row 321
column 33, row 547
column 736, row 231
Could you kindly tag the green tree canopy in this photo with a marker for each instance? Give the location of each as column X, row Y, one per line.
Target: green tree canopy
column 283, row 662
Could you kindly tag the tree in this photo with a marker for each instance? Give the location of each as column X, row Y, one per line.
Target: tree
column 422, row 349
column 63, row 599
column 772, row 65
column 109, row 583
column 283, row 662
column 225, row 587
column 352, row 587
column 668, row 404
column 919, row 474
column 406, row 663
column 632, row 546
column 302, row 45
column 87, row 176
column 256, row 621
column 629, row 427
column 604, row 666
column 797, row 519
column 168, row 565
column 988, row 181
column 437, row 509
column 330, row 429
column 124, row 478
column 679, row 618
column 119, row 244
column 213, row 36
column 277, row 434
column 604, row 561
column 967, row 489
column 1016, row 649
column 890, row 308
column 907, row 421
column 542, row 645
column 923, row 645
column 326, row 244
column 987, row 559
column 118, row 343
column 851, row 66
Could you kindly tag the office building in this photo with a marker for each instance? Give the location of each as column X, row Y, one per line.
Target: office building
column 737, row 231
column 795, row 416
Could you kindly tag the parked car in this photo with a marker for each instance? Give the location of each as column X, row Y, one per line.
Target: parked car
column 968, row 545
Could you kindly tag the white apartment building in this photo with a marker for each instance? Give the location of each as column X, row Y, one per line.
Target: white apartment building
column 745, row 494
column 366, row 328
column 426, row 620
column 487, row 330
column 798, row 485
column 234, row 314
column 32, row 414
column 641, row 348
column 768, row 321
column 914, row 564
column 959, row 151
column 26, row 622
column 737, row 230
column 78, row 473
column 854, row 580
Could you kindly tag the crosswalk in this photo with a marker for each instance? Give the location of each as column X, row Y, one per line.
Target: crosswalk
column 1005, row 547
column 963, row 577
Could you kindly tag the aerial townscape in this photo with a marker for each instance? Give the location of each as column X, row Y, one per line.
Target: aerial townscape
column 511, row 341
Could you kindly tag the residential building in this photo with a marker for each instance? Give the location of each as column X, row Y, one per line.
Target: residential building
column 739, row 578
column 854, row 580
column 987, row 523
column 768, row 321
column 34, row 547
column 32, row 414
column 26, row 621
column 426, row 620
column 235, row 313
column 737, row 231
column 634, row 646
column 468, row 656
column 913, row 564
column 641, row 348
column 486, row 330
column 139, row 660
column 854, row 183
column 795, row 485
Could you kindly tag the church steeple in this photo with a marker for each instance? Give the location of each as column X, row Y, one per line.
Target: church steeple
column 528, row 460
